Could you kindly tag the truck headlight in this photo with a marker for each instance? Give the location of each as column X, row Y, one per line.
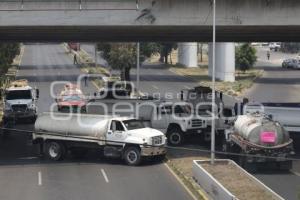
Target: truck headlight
column 157, row 140
column 31, row 106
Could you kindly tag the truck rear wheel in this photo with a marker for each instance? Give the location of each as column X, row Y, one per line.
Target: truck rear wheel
column 175, row 137
column 132, row 156
column 55, row 150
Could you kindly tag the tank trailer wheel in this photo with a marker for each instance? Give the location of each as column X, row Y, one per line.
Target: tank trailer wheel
column 55, row 150
column 132, row 156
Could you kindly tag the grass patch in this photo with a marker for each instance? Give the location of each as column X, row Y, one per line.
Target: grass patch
column 243, row 80
column 95, row 70
column 180, row 161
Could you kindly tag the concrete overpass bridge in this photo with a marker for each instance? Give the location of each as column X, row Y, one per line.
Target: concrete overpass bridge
column 153, row 20
column 148, row 20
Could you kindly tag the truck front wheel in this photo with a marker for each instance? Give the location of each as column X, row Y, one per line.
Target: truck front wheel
column 55, row 150
column 132, row 156
column 175, row 137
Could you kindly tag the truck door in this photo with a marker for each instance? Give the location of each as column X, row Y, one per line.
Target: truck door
column 116, row 133
column 160, row 119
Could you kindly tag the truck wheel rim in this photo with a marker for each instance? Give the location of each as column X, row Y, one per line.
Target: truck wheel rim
column 132, row 156
column 53, row 150
column 175, row 138
column 224, row 147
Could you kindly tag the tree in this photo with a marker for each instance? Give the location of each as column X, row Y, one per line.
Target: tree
column 165, row 51
column 8, row 52
column 122, row 56
column 245, row 56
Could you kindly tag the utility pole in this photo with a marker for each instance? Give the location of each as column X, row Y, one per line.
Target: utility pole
column 213, row 85
column 95, row 55
column 137, row 68
column 201, row 52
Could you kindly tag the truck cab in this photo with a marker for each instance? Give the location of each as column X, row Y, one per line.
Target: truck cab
column 20, row 101
column 176, row 121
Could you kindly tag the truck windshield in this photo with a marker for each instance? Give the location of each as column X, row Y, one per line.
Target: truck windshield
column 133, row 124
column 72, row 98
column 182, row 109
column 18, row 94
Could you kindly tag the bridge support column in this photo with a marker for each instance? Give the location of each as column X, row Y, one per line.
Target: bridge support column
column 225, row 61
column 188, row 54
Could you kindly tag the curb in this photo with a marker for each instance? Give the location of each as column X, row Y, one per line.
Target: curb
column 194, row 190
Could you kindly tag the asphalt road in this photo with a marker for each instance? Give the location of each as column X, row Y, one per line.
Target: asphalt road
column 159, row 81
column 278, row 85
column 90, row 49
column 23, row 175
column 281, row 86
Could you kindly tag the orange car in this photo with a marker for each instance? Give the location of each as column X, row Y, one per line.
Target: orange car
column 71, row 99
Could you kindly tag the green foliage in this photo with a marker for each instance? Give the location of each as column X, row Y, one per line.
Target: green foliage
column 245, row 57
column 122, row 56
column 8, row 52
column 150, row 48
column 166, row 49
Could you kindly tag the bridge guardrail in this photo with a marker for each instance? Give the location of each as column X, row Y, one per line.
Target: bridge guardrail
column 68, row 5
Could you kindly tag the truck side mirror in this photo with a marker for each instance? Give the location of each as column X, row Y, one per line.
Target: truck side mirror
column 37, row 93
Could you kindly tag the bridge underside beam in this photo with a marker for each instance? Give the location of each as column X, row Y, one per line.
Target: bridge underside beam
column 150, row 33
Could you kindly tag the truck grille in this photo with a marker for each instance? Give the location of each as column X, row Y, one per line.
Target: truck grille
column 197, row 123
column 19, row 108
column 157, row 140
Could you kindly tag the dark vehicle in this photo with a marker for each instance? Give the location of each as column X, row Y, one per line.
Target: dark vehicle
column 290, row 63
column 115, row 90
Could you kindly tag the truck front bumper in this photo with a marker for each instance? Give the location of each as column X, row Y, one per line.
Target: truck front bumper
column 153, row 151
column 19, row 115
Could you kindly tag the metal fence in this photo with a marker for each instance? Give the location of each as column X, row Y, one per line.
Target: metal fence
column 67, row 5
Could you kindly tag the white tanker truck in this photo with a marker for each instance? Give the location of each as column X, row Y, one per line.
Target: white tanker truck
column 261, row 139
column 117, row 136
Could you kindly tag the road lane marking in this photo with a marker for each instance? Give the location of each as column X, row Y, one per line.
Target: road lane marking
column 40, row 178
column 104, row 175
column 155, row 87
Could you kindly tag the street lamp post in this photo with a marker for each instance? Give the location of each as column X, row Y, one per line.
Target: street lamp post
column 137, row 68
column 95, row 55
column 213, row 85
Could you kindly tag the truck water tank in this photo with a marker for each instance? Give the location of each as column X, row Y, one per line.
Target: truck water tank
column 260, row 130
column 90, row 126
